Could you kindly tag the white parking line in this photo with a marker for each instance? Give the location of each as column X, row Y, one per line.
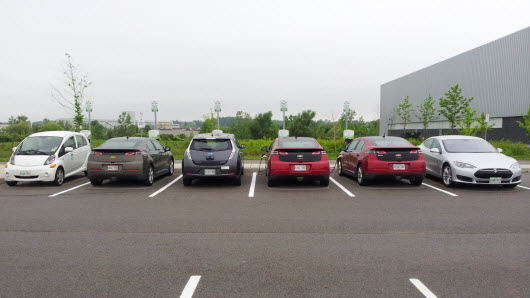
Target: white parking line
column 190, row 287
column 164, row 188
column 343, row 188
column 423, row 289
column 438, row 189
column 252, row 185
column 523, row 187
column 59, row 193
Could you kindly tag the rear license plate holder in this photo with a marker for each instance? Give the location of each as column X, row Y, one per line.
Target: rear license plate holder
column 398, row 167
column 300, row 168
column 113, row 168
column 209, row 172
column 495, row 180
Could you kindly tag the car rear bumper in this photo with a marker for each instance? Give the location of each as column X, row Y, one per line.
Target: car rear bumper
column 37, row 173
column 281, row 168
column 230, row 168
column 98, row 170
column 304, row 176
column 372, row 176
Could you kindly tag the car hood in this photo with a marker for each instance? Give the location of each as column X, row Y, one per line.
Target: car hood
column 30, row 160
column 483, row 160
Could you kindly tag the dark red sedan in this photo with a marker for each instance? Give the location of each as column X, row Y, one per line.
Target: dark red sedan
column 369, row 158
column 297, row 157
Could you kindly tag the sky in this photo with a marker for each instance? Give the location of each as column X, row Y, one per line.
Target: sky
column 249, row 55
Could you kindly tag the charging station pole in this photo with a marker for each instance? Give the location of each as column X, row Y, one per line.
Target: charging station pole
column 218, row 109
column 346, row 112
column 154, row 109
column 89, row 110
column 283, row 105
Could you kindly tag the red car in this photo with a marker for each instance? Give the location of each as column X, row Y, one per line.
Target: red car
column 295, row 157
column 369, row 158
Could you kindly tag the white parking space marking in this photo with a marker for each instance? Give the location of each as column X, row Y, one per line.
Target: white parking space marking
column 165, row 187
column 342, row 187
column 423, row 289
column 523, row 187
column 190, row 286
column 438, row 189
column 252, row 185
column 59, row 193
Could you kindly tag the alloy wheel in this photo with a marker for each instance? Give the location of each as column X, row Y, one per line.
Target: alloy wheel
column 151, row 175
column 447, row 175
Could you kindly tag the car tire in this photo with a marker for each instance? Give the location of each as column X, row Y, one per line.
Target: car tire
column 86, row 173
column 339, row 167
column 171, row 169
column 505, row 186
column 96, row 182
column 149, row 176
column 237, row 180
column 271, row 181
column 361, row 179
column 187, row 181
column 59, row 176
column 416, row 181
column 324, row 181
column 447, row 176
column 242, row 169
column 11, row 183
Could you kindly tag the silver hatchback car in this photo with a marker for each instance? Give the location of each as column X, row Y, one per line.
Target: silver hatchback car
column 472, row 160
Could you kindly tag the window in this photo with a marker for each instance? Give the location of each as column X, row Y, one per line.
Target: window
column 428, row 143
column 436, row 144
column 359, row 146
column 150, row 145
column 70, row 142
column 39, row 146
column 158, row 146
column 389, row 142
column 80, row 141
column 120, row 143
column 352, row 145
column 211, row 144
column 298, row 143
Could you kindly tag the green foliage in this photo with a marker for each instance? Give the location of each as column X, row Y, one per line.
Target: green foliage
column 302, row 124
column 263, row 127
column 467, row 122
column 454, row 105
column 482, row 125
column 526, row 124
column 404, row 111
column 427, row 112
column 50, row 126
column 125, row 127
column 240, row 125
column 517, row 150
column 209, row 124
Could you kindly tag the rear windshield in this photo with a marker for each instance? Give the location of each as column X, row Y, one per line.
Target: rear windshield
column 468, row 146
column 120, row 144
column 211, row 145
column 390, row 142
column 298, row 143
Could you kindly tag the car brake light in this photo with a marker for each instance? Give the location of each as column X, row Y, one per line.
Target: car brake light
column 414, row 152
column 380, row 152
column 130, row 153
column 98, row 153
column 316, row 152
column 283, row 153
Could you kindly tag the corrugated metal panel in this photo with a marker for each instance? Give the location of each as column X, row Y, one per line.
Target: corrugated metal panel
column 496, row 74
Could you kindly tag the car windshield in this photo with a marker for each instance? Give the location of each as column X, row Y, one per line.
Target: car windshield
column 41, row 145
column 120, row 144
column 298, row 143
column 390, row 142
column 468, row 146
column 211, row 145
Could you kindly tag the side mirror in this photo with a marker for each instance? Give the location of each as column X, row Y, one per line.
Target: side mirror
column 14, row 149
column 499, row 150
column 435, row 150
column 167, row 149
column 68, row 149
column 264, row 149
column 343, row 148
column 243, row 146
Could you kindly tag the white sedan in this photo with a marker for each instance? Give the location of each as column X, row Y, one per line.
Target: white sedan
column 48, row 156
column 472, row 160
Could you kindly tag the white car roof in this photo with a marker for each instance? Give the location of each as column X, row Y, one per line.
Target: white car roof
column 452, row 137
column 61, row 134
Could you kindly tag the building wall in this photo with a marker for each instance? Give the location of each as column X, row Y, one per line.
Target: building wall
column 496, row 74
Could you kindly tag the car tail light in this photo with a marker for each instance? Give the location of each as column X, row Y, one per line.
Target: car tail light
column 414, row 152
column 380, row 152
column 130, row 153
column 316, row 152
column 283, row 153
column 98, row 153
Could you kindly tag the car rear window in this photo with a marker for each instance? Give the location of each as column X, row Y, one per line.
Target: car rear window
column 211, row 145
column 120, row 144
column 390, row 142
column 298, row 143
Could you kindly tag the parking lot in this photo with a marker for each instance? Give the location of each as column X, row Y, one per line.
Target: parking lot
column 389, row 239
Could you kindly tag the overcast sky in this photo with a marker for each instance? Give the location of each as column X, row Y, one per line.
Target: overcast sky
column 248, row 54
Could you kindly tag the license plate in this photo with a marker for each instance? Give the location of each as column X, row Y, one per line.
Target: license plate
column 300, row 167
column 495, row 180
column 25, row 173
column 399, row 167
column 209, row 172
column 113, row 168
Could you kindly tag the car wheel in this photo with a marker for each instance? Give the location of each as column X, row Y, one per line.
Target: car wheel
column 505, row 186
column 59, row 177
column 11, row 183
column 187, row 181
column 339, row 167
column 237, row 180
column 360, row 176
column 171, row 170
column 416, row 181
column 86, row 173
column 242, row 169
column 96, row 182
column 271, row 181
column 447, row 176
column 150, row 176
column 324, row 181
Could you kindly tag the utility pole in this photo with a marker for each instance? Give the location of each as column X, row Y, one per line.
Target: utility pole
column 486, row 132
column 89, row 110
column 218, row 110
column 347, row 112
column 154, row 108
column 283, row 105
column 141, row 124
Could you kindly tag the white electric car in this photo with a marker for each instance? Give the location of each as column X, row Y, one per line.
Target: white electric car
column 48, row 156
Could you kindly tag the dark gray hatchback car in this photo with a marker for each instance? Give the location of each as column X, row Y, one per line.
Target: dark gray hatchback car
column 213, row 156
column 140, row 158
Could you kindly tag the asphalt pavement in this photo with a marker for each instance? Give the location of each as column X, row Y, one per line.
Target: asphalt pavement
column 214, row 239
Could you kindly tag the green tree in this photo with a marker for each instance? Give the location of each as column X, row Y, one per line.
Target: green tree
column 454, row 105
column 263, row 127
column 125, row 126
column 466, row 124
column 404, row 111
column 18, row 119
column 526, row 124
column 240, row 125
column 426, row 112
column 18, row 128
column 50, row 126
column 341, row 123
column 302, row 125
column 482, row 125
column 209, row 124
column 71, row 95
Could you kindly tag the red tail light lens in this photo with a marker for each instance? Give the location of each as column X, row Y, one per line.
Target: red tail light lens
column 284, row 153
column 316, row 152
column 414, row 152
column 97, row 153
column 130, row 153
column 380, row 152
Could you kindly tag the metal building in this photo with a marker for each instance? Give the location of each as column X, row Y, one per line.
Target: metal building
column 496, row 74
